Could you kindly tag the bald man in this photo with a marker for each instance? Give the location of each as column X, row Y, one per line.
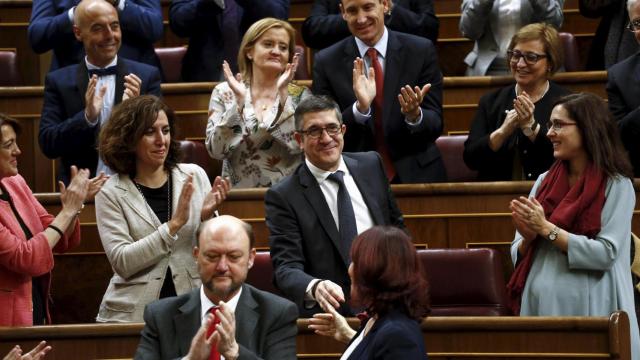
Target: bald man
column 253, row 324
column 79, row 98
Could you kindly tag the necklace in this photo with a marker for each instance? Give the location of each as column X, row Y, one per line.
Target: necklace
column 138, row 186
column 519, row 91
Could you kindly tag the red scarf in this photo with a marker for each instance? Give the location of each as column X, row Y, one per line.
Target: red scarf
column 576, row 209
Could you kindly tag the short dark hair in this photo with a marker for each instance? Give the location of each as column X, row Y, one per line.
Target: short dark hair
column 600, row 134
column 248, row 229
column 314, row 104
column 8, row 120
column 387, row 273
column 126, row 126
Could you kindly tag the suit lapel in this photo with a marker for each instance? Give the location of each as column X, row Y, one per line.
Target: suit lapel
column 318, row 203
column 122, row 70
column 247, row 319
column 367, row 190
column 392, row 74
column 132, row 197
column 82, row 80
column 187, row 321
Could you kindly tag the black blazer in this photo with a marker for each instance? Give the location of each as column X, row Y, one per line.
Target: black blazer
column 393, row 336
column 265, row 326
column 410, row 60
column 303, row 237
column 623, row 90
column 64, row 132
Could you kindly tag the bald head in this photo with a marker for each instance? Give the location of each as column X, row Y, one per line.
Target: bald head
column 96, row 25
column 228, row 224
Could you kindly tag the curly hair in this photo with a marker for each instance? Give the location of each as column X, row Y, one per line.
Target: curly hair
column 600, row 134
column 387, row 274
column 9, row 121
column 126, row 126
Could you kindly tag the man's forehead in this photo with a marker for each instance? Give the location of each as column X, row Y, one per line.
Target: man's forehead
column 224, row 239
column 358, row 3
column 321, row 118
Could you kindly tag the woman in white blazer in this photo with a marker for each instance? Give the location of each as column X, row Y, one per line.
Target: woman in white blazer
column 149, row 212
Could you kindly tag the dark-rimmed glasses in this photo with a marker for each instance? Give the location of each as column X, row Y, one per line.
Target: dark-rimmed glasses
column 634, row 25
column 530, row 58
column 316, row 132
column 558, row 125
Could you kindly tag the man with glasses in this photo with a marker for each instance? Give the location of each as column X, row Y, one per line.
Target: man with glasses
column 623, row 90
column 314, row 214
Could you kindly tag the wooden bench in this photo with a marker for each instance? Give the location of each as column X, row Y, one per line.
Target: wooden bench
column 445, row 338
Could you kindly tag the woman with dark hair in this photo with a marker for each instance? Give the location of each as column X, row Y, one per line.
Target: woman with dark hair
column 251, row 122
column 387, row 280
column 29, row 235
column 573, row 233
column 149, row 212
column 507, row 137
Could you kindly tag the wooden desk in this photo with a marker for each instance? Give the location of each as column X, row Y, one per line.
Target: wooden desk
column 445, row 338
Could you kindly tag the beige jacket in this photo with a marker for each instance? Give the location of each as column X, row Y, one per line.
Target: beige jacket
column 140, row 248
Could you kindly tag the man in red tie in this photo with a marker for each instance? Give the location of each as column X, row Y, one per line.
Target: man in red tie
column 389, row 88
column 225, row 318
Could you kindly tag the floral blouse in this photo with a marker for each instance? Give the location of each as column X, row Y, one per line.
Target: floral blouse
column 255, row 153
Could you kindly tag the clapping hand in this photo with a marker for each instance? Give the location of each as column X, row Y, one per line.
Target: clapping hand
column 525, row 108
column 132, row 84
column 95, row 184
column 236, row 84
column 215, row 197
column 286, row 77
column 74, row 195
column 94, row 99
column 410, row 100
column 364, row 86
column 36, row 353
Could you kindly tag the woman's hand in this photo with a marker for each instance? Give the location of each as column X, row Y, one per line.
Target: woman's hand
column 95, row 184
column 235, row 84
column 524, row 107
column 36, row 353
column 332, row 324
column 286, row 77
column 529, row 212
column 183, row 210
column 215, row 197
column 73, row 196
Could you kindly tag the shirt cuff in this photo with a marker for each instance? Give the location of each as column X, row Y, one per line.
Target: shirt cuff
column 360, row 117
column 416, row 123
column 70, row 13
column 121, row 5
column 91, row 123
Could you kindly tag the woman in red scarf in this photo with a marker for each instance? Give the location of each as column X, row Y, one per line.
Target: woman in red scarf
column 571, row 248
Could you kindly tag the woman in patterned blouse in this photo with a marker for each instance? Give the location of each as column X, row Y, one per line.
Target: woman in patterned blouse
column 251, row 121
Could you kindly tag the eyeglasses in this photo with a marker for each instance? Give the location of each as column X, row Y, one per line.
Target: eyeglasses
column 316, row 132
column 634, row 25
column 558, row 125
column 530, row 58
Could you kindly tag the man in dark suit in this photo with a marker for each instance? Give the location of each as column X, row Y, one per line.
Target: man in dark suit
column 325, row 26
column 51, row 28
column 79, row 98
column 395, row 107
column 623, row 90
column 215, row 29
column 309, row 232
column 253, row 324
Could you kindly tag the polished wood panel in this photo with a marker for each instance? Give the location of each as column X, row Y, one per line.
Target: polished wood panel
column 445, row 338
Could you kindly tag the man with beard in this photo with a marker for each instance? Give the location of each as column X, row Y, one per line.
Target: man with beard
column 225, row 316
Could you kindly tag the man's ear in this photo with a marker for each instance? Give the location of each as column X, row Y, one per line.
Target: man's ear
column 298, row 137
column 196, row 252
column 344, row 15
column 252, row 257
column 76, row 32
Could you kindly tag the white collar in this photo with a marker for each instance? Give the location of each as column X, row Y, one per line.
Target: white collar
column 381, row 45
column 206, row 303
column 90, row 66
column 321, row 175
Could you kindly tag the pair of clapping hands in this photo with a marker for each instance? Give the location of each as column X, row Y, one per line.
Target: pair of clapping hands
column 222, row 337
column 36, row 353
column 522, row 113
column 364, row 88
column 94, row 97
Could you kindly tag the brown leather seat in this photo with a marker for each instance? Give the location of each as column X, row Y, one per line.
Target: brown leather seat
column 465, row 282
column 9, row 74
column 451, row 148
column 261, row 274
column 571, row 53
column 302, row 72
column 171, row 62
column 195, row 152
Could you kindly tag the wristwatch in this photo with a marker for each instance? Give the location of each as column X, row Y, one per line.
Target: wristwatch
column 530, row 130
column 553, row 235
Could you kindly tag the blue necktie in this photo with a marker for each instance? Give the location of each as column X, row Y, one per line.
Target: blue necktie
column 111, row 70
column 346, row 216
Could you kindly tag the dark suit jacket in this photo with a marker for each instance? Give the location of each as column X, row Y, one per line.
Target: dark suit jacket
column 623, row 90
column 410, row 60
column 64, row 132
column 50, row 28
column 325, row 26
column 303, row 237
column 393, row 336
column 265, row 326
column 201, row 22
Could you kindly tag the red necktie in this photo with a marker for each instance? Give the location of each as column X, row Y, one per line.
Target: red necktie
column 215, row 355
column 381, row 145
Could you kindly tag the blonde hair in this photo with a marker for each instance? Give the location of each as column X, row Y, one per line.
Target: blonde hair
column 251, row 37
column 546, row 34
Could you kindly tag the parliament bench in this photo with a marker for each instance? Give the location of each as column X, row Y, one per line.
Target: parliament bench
column 445, row 338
